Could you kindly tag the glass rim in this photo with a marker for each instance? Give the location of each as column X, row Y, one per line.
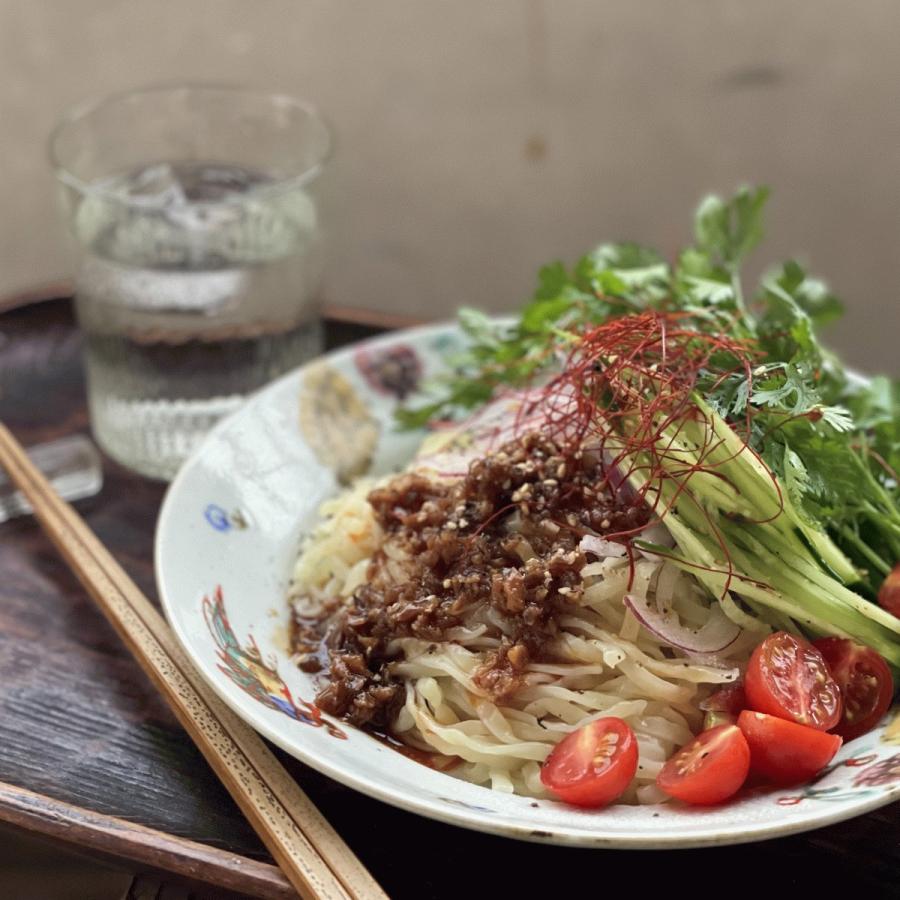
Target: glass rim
column 80, row 111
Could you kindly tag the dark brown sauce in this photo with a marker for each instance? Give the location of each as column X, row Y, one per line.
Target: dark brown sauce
column 303, row 635
column 434, row 760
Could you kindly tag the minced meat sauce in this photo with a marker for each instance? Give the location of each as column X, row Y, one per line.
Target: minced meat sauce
column 506, row 535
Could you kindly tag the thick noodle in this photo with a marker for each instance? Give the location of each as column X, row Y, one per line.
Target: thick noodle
column 604, row 663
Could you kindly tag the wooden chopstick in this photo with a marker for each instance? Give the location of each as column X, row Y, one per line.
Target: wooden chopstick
column 309, row 851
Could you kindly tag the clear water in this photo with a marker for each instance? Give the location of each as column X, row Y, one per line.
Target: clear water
column 194, row 292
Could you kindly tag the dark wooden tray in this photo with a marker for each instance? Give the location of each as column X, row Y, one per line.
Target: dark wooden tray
column 91, row 756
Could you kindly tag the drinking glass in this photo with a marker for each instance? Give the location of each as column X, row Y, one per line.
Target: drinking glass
column 201, row 215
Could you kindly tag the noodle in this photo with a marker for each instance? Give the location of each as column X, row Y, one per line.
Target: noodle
column 603, row 662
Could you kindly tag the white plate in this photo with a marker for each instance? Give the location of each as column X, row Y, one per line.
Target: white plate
column 229, row 531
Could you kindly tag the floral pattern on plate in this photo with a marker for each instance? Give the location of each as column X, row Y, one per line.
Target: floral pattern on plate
column 395, row 370
column 256, row 676
column 336, row 422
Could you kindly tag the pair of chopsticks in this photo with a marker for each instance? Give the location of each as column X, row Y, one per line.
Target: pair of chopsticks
column 308, row 850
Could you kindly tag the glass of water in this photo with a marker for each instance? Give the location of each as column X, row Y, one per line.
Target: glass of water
column 201, row 214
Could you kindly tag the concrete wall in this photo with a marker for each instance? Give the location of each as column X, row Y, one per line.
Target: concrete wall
column 479, row 139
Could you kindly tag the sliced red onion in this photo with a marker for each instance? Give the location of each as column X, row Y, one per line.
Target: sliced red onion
column 592, row 543
column 619, row 485
column 510, row 415
column 616, row 470
column 718, row 633
column 614, row 475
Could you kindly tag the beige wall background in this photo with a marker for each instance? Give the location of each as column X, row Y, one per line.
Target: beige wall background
column 478, row 140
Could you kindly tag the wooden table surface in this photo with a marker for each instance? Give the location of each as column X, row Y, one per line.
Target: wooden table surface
column 90, row 756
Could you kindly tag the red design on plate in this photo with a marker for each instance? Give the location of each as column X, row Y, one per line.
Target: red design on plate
column 394, row 370
column 885, row 772
column 254, row 675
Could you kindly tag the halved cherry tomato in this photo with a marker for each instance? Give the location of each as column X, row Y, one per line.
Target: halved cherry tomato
column 889, row 592
column 593, row 765
column 785, row 752
column 723, row 706
column 865, row 682
column 787, row 677
column 709, row 769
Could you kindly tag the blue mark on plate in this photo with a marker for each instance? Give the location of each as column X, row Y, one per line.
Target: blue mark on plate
column 464, row 805
column 217, row 517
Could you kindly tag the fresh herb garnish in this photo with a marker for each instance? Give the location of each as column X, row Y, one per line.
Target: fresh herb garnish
column 831, row 437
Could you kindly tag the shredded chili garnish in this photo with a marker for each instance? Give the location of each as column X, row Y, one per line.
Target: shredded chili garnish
column 627, row 389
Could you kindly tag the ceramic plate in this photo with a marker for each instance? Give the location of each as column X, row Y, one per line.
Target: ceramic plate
column 229, row 531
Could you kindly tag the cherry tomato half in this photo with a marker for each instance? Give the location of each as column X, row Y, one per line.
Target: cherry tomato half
column 785, row 752
column 889, row 592
column 787, row 677
column 709, row 769
column 723, row 706
column 593, row 765
column 865, row 682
